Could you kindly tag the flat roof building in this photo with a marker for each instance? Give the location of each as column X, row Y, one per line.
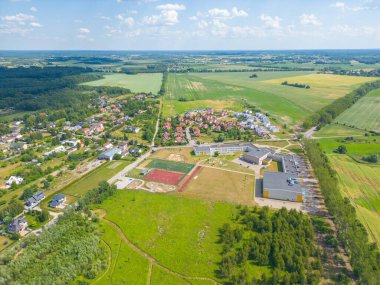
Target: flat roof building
column 109, row 154
column 257, row 156
column 282, row 186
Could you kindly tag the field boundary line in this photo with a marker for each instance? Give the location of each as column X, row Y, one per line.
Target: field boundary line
column 109, row 260
column 230, row 170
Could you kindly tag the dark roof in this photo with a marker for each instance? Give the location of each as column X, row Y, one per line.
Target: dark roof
column 258, row 152
column 279, row 181
column 58, row 197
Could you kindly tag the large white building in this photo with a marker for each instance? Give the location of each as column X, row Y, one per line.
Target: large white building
column 13, row 179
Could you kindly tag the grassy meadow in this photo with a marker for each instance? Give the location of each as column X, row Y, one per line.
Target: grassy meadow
column 287, row 103
column 360, row 183
column 182, row 234
column 337, row 130
column 143, row 82
column 364, row 114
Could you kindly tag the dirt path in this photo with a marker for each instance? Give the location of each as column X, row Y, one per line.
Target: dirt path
column 157, row 122
column 151, row 260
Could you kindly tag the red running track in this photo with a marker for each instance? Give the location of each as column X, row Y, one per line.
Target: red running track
column 164, row 176
column 189, row 179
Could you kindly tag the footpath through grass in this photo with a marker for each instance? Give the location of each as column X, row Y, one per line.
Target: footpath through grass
column 180, row 233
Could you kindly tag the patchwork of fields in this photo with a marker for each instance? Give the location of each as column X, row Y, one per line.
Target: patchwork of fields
column 143, row 82
column 360, row 183
column 290, row 104
column 364, row 114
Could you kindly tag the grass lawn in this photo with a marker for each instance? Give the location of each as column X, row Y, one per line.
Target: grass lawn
column 127, row 266
column 91, row 180
column 170, row 165
column 220, row 185
column 143, row 82
column 336, row 130
column 359, row 147
column 180, row 233
column 364, row 114
column 360, row 183
column 4, row 242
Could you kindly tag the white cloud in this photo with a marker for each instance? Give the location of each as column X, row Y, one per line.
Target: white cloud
column 77, row 21
column 193, row 18
column 166, row 17
column 84, row 31
column 310, row 20
column 271, row 22
column 226, row 14
column 176, row 7
column 239, row 13
column 18, row 18
column 36, row 25
column 202, row 24
column 125, row 20
column 219, row 13
column 33, row 9
column 339, row 5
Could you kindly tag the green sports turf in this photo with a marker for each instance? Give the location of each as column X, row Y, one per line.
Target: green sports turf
column 170, row 165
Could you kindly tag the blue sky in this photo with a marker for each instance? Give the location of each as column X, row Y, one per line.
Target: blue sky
column 189, row 25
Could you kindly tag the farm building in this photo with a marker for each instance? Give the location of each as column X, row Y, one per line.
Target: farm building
column 109, row 154
column 282, row 186
column 258, row 156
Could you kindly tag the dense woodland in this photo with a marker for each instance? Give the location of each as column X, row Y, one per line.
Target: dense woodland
column 365, row 257
column 327, row 114
column 282, row 240
column 68, row 249
column 51, row 88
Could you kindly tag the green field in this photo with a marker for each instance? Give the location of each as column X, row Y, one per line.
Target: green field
column 179, row 233
column 364, row 114
column 357, row 148
column 360, row 183
column 336, row 130
column 170, row 165
column 143, row 82
column 91, row 180
column 287, row 103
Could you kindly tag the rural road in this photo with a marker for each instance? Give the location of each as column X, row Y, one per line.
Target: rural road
column 309, row 133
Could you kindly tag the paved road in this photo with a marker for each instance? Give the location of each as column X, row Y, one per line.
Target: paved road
column 309, row 133
column 129, row 167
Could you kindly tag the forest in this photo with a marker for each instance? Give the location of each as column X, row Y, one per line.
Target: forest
column 365, row 256
column 68, row 249
column 282, row 240
column 35, row 88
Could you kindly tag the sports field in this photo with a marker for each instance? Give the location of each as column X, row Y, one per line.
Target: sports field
column 162, row 176
column 364, row 114
column 266, row 92
column 170, row 165
column 221, row 185
column 360, row 183
column 143, row 82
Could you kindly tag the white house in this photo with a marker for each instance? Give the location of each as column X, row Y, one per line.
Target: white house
column 13, row 179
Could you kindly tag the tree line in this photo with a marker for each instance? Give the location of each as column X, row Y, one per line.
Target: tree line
column 298, row 85
column 282, row 240
column 327, row 114
column 364, row 256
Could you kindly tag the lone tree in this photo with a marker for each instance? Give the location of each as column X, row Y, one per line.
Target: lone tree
column 341, row 149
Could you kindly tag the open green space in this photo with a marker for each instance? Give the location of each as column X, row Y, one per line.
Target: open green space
column 360, row 183
column 170, row 165
column 143, row 82
column 357, row 147
column 337, row 130
column 127, row 266
column 182, row 234
column 287, row 103
column 364, row 114
column 91, row 180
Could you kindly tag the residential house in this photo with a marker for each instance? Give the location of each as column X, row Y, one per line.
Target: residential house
column 17, row 225
column 58, row 199
column 13, row 179
column 34, row 200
